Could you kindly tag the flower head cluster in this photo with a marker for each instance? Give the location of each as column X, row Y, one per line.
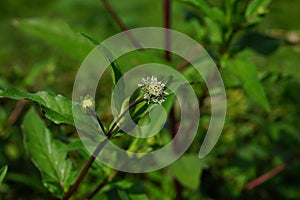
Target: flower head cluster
column 153, row 90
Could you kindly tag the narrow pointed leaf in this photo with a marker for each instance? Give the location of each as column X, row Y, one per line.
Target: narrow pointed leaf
column 3, row 172
column 246, row 72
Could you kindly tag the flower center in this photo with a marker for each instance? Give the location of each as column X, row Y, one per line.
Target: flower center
column 155, row 89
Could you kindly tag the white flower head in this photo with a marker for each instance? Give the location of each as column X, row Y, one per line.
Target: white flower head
column 87, row 102
column 153, row 90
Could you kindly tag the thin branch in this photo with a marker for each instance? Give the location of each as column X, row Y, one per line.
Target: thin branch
column 270, row 174
column 94, row 114
column 120, row 23
column 263, row 178
column 85, row 169
column 16, row 112
column 186, row 62
column 123, row 114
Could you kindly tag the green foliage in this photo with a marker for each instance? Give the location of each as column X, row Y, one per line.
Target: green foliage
column 48, row 155
column 3, row 171
column 3, row 118
column 122, row 190
column 255, row 45
column 247, row 74
column 58, row 34
column 188, row 169
column 55, row 107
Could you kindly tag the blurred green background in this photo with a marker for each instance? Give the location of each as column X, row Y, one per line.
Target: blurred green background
column 253, row 142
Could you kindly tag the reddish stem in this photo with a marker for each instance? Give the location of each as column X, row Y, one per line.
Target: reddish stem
column 263, row 178
column 267, row 176
column 85, row 169
column 120, row 23
column 16, row 112
column 167, row 25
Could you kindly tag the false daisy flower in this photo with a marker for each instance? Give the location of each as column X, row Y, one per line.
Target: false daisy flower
column 153, row 90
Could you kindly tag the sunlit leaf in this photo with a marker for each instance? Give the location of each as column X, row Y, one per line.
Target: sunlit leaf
column 256, row 7
column 3, row 171
column 214, row 30
column 246, row 72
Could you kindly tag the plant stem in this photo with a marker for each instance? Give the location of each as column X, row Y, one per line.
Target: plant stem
column 85, row 169
column 167, row 56
column 235, row 30
column 16, row 112
column 270, row 174
column 97, row 151
column 167, row 25
column 114, row 15
column 120, row 23
column 186, row 62
column 94, row 114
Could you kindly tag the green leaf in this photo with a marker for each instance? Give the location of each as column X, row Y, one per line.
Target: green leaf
column 4, row 83
column 138, row 197
column 122, row 195
column 3, row 172
column 260, row 43
column 47, row 154
column 3, row 118
column 211, row 12
column 255, row 11
column 124, row 190
column 246, row 72
column 57, row 108
column 94, row 41
column 28, row 180
column 116, row 72
column 214, row 30
column 256, row 7
column 187, row 170
column 57, row 34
